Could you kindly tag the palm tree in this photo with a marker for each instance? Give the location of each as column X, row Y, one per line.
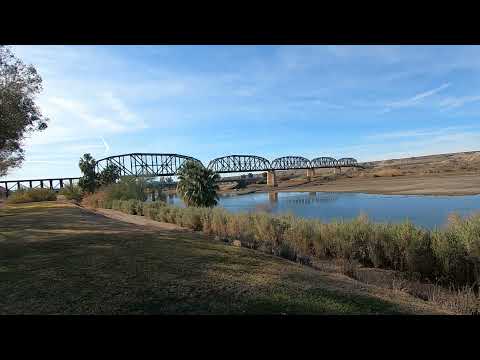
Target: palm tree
column 197, row 185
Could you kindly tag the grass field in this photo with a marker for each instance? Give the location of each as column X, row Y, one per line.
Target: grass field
column 60, row 259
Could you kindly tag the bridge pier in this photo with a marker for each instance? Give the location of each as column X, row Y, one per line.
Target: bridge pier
column 271, row 178
column 337, row 170
column 310, row 174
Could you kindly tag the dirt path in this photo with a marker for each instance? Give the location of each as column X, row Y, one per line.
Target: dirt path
column 138, row 220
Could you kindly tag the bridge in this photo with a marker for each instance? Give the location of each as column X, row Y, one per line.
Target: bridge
column 145, row 164
column 7, row 186
column 160, row 164
column 251, row 163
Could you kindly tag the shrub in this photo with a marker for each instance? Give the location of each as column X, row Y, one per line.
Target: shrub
column 192, row 218
column 456, row 249
column 152, row 210
column 126, row 189
column 72, row 192
column 96, row 200
column 31, row 195
column 268, row 231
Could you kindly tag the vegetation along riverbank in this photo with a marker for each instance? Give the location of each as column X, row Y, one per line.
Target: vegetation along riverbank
column 447, row 257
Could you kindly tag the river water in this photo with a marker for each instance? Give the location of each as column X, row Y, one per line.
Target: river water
column 424, row 210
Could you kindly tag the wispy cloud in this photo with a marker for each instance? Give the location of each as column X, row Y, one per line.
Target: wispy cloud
column 107, row 147
column 455, row 102
column 117, row 119
column 449, row 131
column 412, row 101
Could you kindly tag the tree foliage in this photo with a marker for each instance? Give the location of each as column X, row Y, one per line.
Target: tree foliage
column 88, row 182
column 19, row 114
column 197, row 185
column 129, row 187
column 109, row 175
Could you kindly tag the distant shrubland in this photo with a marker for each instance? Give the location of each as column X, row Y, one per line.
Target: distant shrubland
column 31, row 195
column 72, row 192
column 125, row 189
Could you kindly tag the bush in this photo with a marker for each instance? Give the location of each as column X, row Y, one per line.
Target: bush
column 152, row 210
column 126, row 189
column 31, row 195
column 457, row 250
column 96, row 200
column 73, row 192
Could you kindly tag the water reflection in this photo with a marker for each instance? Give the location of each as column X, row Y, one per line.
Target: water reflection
column 313, row 197
column 273, row 197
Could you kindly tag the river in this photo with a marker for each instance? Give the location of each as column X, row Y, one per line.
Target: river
column 424, row 210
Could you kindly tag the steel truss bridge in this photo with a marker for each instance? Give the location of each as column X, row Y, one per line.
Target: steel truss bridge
column 143, row 164
column 251, row 163
column 155, row 165
column 8, row 186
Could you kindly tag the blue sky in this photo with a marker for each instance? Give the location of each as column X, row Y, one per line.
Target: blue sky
column 367, row 102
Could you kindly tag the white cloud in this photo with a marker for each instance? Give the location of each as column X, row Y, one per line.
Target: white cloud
column 415, row 99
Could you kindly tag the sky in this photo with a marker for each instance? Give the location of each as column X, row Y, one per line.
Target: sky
column 366, row 102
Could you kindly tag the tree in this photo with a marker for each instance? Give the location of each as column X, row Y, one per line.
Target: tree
column 19, row 114
column 109, row 175
column 197, row 185
column 89, row 181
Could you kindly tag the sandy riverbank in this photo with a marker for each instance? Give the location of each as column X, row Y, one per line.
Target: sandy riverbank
column 455, row 184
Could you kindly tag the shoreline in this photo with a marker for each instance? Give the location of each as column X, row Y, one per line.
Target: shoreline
column 466, row 184
column 365, row 192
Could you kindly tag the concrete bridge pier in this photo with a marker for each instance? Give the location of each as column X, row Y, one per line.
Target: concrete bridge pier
column 310, row 174
column 337, row 170
column 271, row 178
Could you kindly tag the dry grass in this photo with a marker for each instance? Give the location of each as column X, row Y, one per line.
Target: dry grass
column 387, row 173
column 31, row 195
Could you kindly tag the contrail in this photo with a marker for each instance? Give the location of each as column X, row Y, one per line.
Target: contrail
column 107, row 148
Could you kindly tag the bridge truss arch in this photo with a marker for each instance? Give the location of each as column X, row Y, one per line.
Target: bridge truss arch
column 239, row 163
column 290, row 163
column 324, row 162
column 145, row 164
column 346, row 162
